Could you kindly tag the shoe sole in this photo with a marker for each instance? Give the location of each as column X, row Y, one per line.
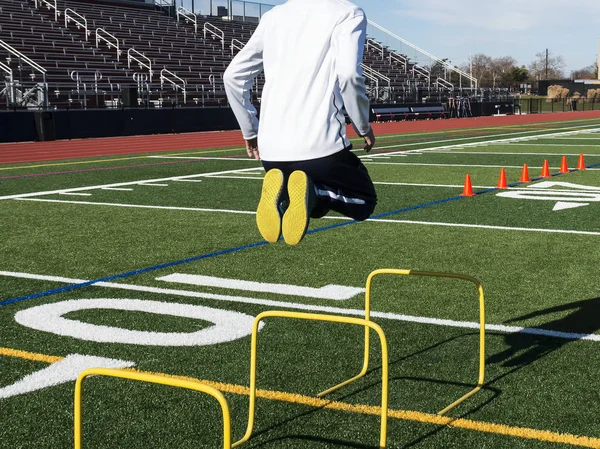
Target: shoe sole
column 268, row 218
column 296, row 218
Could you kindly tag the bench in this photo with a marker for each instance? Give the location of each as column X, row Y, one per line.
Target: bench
column 428, row 112
column 390, row 114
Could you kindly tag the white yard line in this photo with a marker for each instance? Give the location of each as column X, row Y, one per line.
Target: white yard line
column 152, row 185
column 315, row 308
column 473, row 226
column 580, row 138
column 202, row 158
column 140, row 206
column 488, row 142
column 553, row 145
column 235, row 177
column 75, row 194
column 574, row 130
column 501, row 153
column 451, row 165
column 117, row 189
column 454, row 186
column 376, row 220
column 120, row 184
column 188, row 180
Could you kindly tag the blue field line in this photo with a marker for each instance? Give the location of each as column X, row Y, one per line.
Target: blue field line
column 252, row 245
column 131, row 273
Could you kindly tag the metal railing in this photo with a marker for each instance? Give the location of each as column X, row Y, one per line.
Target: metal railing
column 215, row 32
column 78, row 19
column 23, row 59
column 50, row 5
column 236, row 45
column 109, row 39
column 141, row 59
column 376, row 74
column 81, row 78
column 6, row 69
column 181, row 85
column 396, row 57
column 418, row 70
column 371, row 43
column 446, row 65
column 188, row 16
column 372, row 91
column 441, row 82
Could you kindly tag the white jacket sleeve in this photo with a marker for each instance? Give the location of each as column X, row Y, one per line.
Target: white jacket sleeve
column 348, row 41
column 238, row 80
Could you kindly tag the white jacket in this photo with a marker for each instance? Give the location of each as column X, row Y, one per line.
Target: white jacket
column 310, row 51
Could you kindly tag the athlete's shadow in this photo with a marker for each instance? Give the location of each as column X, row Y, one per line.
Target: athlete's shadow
column 524, row 349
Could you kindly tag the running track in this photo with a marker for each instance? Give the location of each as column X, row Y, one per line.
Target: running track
column 81, row 148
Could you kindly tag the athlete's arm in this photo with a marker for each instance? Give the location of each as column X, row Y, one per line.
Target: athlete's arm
column 238, row 80
column 348, row 42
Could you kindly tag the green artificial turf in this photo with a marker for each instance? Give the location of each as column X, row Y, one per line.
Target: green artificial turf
column 542, row 281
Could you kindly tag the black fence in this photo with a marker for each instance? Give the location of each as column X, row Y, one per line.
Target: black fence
column 546, row 105
column 23, row 126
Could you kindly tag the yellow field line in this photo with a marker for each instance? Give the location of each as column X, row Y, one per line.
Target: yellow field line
column 58, row 164
column 405, row 415
column 29, row 355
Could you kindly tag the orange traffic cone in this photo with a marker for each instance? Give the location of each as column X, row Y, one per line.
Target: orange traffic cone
column 468, row 190
column 525, row 174
column 546, row 170
column 502, row 180
column 581, row 165
column 564, row 168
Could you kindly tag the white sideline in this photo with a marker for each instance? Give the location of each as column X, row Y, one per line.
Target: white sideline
column 499, row 153
column 374, row 220
column 488, row 142
column 452, row 165
column 140, row 206
column 316, row 308
column 555, row 145
column 579, row 130
column 121, row 184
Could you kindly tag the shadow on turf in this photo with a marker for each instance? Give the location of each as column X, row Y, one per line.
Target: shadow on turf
column 325, row 441
column 376, row 384
column 524, row 349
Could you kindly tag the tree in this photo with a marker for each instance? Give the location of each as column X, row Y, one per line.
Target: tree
column 501, row 69
column 519, row 75
column 591, row 71
column 480, row 64
column 546, row 66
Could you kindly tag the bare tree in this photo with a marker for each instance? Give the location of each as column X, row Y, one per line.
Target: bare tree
column 502, row 70
column 495, row 72
column 480, row 64
column 589, row 72
column 546, row 66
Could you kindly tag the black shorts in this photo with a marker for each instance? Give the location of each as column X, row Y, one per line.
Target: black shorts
column 342, row 183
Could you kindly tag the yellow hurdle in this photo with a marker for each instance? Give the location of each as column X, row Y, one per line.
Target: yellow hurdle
column 365, row 367
column 318, row 317
column 155, row 379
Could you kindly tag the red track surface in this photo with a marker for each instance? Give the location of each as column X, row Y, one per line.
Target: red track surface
column 81, row 148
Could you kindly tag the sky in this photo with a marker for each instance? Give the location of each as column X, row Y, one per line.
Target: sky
column 518, row 28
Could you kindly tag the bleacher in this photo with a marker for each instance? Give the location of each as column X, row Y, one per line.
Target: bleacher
column 155, row 59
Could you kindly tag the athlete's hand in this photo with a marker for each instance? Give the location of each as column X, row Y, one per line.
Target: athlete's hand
column 252, row 148
column 369, row 140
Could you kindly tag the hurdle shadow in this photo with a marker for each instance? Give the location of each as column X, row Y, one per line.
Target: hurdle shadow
column 327, row 442
column 525, row 349
column 364, row 387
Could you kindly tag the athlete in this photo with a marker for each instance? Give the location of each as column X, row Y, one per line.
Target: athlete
column 311, row 53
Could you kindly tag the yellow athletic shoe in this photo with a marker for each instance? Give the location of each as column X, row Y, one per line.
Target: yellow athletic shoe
column 268, row 218
column 297, row 216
